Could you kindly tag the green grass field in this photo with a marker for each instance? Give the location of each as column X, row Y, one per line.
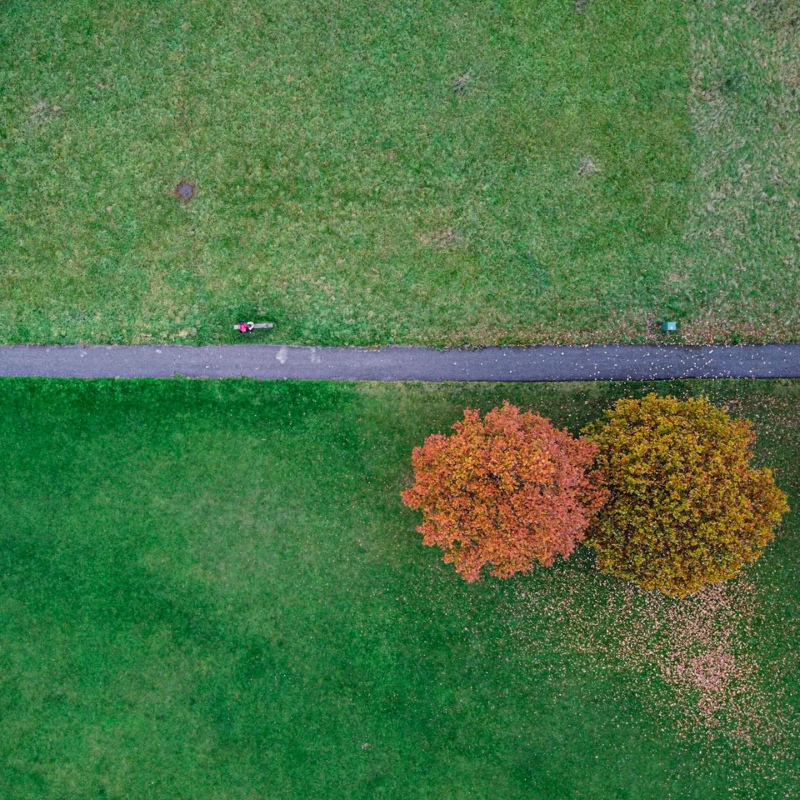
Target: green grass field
column 212, row 589
column 345, row 191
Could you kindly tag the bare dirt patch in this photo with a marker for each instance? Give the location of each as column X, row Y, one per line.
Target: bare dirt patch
column 440, row 239
column 43, row 111
column 587, row 167
column 461, row 82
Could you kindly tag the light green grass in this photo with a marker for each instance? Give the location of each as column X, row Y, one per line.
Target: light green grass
column 212, row 589
column 347, row 193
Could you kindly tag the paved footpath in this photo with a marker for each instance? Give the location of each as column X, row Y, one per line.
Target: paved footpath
column 544, row 363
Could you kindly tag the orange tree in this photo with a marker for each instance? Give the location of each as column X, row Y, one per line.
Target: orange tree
column 685, row 506
column 504, row 492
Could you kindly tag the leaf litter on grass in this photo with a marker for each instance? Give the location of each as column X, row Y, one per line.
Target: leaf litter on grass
column 690, row 656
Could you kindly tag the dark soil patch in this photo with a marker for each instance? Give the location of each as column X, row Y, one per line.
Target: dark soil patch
column 184, row 190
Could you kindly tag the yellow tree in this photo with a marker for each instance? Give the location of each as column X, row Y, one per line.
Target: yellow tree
column 685, row 506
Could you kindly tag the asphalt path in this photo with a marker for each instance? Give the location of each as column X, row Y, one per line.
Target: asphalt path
column 520, row 364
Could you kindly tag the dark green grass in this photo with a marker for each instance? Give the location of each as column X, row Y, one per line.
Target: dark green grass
column 347, row 193
column 211, row 589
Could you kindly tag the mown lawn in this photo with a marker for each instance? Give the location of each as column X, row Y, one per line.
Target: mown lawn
column 211, row 589
column 347, row 192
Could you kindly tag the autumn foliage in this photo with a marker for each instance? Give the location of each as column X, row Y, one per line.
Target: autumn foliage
column 685, row 506
column 504, row 492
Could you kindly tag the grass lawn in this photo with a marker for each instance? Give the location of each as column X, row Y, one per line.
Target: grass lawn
column 212, row 589
column 347, row 192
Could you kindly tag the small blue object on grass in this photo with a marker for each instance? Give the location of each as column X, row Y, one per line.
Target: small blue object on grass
column 669, row 327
